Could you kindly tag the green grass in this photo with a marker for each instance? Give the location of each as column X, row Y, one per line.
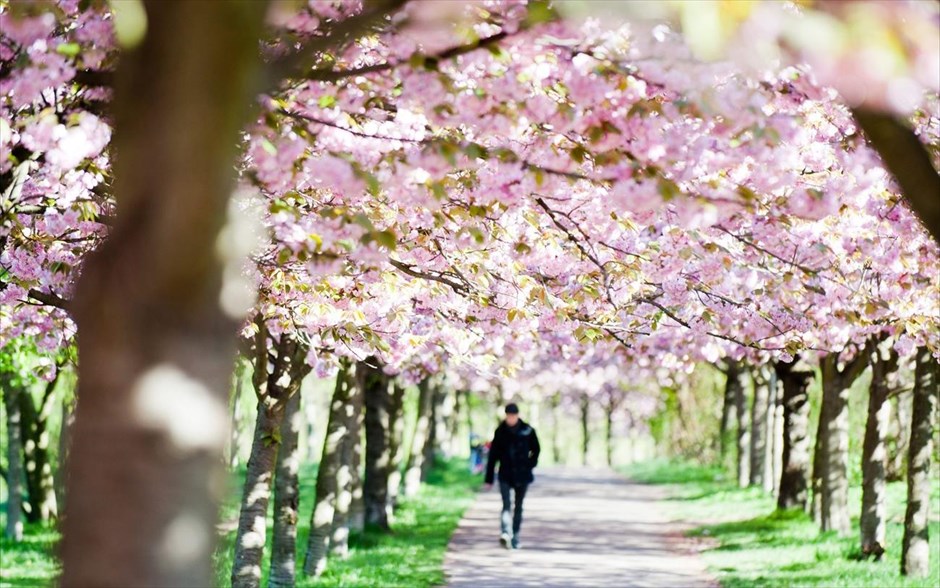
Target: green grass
column 31, row 561
column 750, row 544
column 411, row 556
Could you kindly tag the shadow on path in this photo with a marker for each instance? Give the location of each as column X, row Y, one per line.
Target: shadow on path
column 582, row 528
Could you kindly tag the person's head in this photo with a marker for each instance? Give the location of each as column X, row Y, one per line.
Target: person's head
column 512, row 414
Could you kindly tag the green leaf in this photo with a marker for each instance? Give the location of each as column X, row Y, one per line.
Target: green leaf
column 326, row 101
column 387, row 238
column 68, row 49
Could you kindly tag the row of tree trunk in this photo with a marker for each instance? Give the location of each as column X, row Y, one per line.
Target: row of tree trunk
column 349, row 494
column 772, row 441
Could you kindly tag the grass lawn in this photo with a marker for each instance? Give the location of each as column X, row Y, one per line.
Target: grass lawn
column 749, row 544
column 412, row 556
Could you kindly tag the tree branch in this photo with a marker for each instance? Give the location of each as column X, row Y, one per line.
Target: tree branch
column 908, row 161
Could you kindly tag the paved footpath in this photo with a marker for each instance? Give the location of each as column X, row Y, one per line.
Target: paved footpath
column 582, row 528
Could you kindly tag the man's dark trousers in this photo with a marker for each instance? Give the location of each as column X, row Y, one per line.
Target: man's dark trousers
column 509, row 514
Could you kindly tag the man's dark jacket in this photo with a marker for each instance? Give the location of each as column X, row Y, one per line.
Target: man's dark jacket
column 517, row 451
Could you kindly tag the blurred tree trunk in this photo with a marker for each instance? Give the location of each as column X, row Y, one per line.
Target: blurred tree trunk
column 156, row 347
column 416, row 454
column 609, row 413
column 884, row 361
column 729, row 416
column 278, row 372
column 760, row 427
column 831, row 460
column 585, row 406
column 737, row 381
column 286, row 500
column 396, row 428
column 65, row 447
column 901, row 438
column 556, row 448
column 795, row 378
column 377, row 400
column 40, row 483
column 15, row 472
column 776, row 447
column 915, row 548
column 321, row 519
column 310, row 419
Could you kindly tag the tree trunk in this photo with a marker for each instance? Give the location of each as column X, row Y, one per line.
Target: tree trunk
column 915, row 549
column 874, row 457
column 556, row 448
column 396, row 427
column 286, row 500
column 377, row 400
column 901, row 438
column 65, row 447
column 252, row 522
column 40, row 483
column 419, row 440
column 760, row 429
column 321, row 520
column 831, row 462
column 609, row 413
column 275, row 385
column 156, row 347
column 310, row 419
column 235, row 440
column 737, row 382
column 15, row 470
column 729, row 416
column 585, row 431
column 776, row 449
column 357, row 511
column 795, row 378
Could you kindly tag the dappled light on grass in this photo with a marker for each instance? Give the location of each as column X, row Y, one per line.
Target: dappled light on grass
column 411, row 555
column 749, row 544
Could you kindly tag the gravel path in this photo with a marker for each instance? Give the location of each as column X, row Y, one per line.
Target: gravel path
column 582, row 528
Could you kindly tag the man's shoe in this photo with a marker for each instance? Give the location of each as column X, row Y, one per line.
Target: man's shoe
column 516, row 544
column 504, row 540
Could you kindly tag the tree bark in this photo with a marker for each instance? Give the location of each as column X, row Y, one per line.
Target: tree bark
column 901, row 437
column 585, row 407
column 556, row 448
column 396, row 427
column 729, row 416
column 874, row 457
column 776, row 449
column 275, row 385
column 40, row 483
column 906, row 157
column 831, row 461
column 286, row 500
column 377, row 400
column 235, row 439
column 915, row 548
column 357, row 511
column 760, row 428
column 156, row 348
column 65, row 447
column 321, row 520
column 15, row 470
column 737, row 382
column 418, row 441
column 795, row 378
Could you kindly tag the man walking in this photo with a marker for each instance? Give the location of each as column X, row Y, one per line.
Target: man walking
column 516, row 448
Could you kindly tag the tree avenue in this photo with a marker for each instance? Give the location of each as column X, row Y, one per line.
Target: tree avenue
column 486, row 200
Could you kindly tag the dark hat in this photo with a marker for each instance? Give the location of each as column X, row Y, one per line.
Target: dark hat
column 511, row 408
